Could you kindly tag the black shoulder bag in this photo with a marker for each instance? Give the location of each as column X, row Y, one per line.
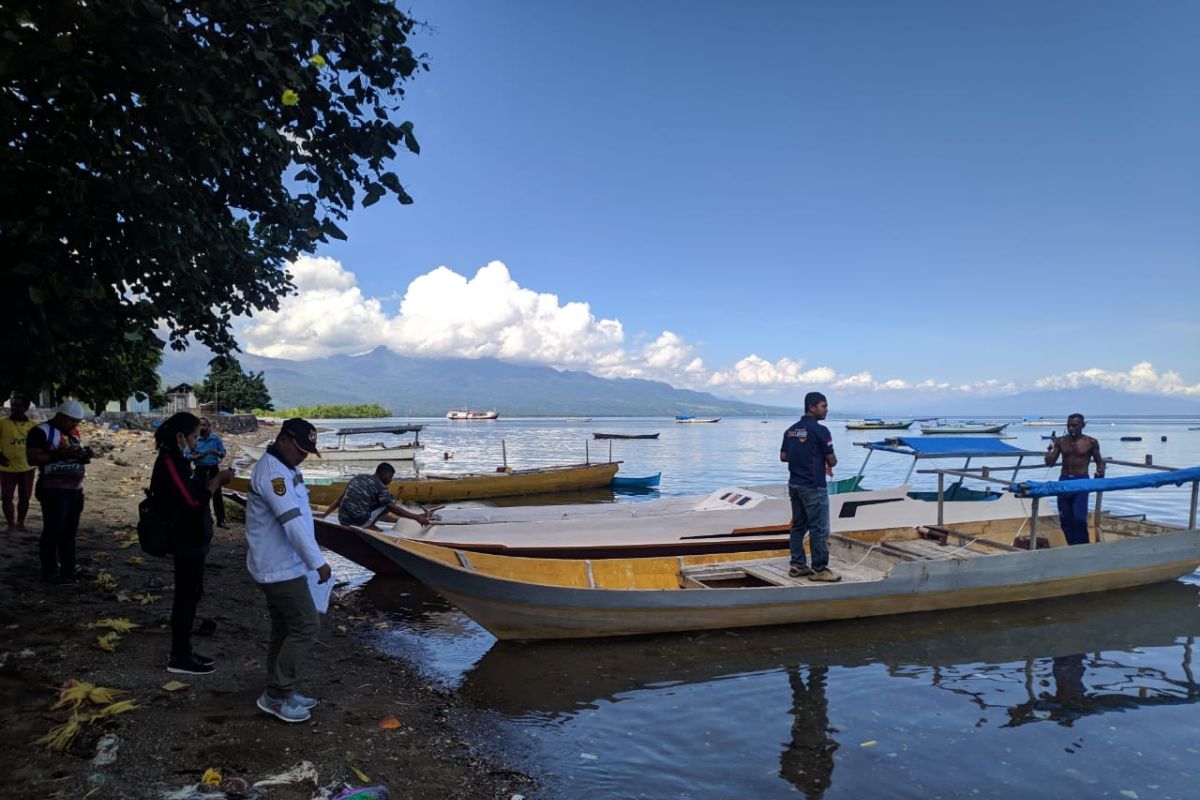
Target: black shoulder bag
column 154, row 527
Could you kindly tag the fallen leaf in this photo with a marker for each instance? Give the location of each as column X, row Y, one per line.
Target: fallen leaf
column 175, row 686
column 869, row 743
column 211, row 778
column 389, row 723
column 358, row 773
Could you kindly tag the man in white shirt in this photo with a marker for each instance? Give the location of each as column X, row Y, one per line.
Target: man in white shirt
column 282, row 552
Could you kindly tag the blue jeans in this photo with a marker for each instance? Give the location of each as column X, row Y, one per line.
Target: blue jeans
column 1073, row 513
column 810, row 514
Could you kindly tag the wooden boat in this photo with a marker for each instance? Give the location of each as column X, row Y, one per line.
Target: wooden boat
column 896, row 570
column 727, row 520
column 624, row 435
column 646, row 482
column 878, row 425
column 695, row 420
column 346, row 452
column 464, row 413
column 1042, row 422
column 969, row 427
column 324, row 488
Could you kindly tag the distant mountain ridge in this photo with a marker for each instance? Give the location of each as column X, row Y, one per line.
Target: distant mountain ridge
column 431, row 386
column 421, row 387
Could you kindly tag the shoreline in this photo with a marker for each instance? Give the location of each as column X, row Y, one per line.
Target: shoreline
column 168, row 742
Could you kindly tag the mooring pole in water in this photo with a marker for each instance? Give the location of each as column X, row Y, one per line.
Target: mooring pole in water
column 1099, row 502
column 941, row 497
column 610, row 451
column 1033, row 526
column 587, row 453
column 1192, row 512
column 504, row 452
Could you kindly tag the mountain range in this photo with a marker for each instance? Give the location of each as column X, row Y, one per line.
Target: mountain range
column 422, row 387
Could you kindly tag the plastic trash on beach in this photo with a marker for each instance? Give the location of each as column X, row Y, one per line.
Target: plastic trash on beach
column 362, row 793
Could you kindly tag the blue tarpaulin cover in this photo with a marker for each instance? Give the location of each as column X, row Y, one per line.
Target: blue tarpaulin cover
column 1148, row 480
column 951, row 446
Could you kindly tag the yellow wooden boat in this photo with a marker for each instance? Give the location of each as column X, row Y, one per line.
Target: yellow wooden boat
column 449, row 487
column 890, row 571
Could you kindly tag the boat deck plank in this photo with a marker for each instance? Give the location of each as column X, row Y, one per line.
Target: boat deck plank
column 775, row 572
column 925, row 549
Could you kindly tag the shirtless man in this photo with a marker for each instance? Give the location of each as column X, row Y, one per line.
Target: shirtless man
column 1076, row 450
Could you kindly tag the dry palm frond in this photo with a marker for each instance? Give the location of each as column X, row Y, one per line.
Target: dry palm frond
column 119, row 707
column 105, row 582
column 102, row 695
column 73, row 693
column 60, row 736
column 135, row 561
column 118, row 624
column 146, row 599
column 108, row 642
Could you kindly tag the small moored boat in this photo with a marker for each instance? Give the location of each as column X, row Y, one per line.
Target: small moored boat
column 942, row 426
column 878, row 425
column 324, row 488
column 624, row 435
column 696, row 420
column 343, row 451
column 645, row 482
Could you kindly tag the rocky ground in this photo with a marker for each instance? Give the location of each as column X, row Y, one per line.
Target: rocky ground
column 378, row 723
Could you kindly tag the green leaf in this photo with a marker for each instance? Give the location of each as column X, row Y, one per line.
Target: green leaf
column 374, row 192
column 328, row 228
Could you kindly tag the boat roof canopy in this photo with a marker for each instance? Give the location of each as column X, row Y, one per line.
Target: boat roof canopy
column 1052, row 488
column 395, row 429
column 958, row 447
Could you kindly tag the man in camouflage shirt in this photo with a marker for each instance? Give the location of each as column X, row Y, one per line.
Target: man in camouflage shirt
column 366, row 498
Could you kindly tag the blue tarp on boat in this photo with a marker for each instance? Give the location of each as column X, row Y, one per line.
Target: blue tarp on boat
column 1176, row 477
column 957, row 447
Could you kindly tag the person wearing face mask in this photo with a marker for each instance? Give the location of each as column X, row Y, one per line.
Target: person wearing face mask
column 183, row 494
column 1076, row 451
column 207, row 457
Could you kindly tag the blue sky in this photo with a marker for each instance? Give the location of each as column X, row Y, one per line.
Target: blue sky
column 768, row 197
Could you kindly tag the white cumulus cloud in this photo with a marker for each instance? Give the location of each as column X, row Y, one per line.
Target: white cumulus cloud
column 445, row 314
column 1142, row 378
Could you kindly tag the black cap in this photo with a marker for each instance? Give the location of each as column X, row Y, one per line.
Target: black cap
column 303, row 433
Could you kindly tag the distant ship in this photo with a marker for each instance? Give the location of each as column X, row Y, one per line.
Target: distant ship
column 463, row 413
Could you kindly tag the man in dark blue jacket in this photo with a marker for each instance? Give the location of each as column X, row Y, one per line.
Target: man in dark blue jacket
column 808, row 450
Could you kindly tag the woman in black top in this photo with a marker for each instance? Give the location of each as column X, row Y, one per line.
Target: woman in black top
column 184, row 496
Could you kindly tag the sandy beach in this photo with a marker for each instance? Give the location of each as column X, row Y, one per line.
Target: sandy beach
column 175, row 735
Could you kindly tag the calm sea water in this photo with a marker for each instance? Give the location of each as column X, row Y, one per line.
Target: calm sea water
column 1091, row 696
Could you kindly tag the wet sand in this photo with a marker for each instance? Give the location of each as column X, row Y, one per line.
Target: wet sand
column 172, row 737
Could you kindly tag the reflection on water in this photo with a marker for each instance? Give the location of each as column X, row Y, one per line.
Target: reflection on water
column 922, row 701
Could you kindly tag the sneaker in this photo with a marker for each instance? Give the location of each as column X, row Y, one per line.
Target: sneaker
column 304, row 701
column 202, row 660
column 799, row 570
column 285, row 709
column 825, row 576
column 189, row 666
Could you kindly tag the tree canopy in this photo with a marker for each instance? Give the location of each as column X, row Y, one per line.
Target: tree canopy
column 163, row 161
column 232, row 388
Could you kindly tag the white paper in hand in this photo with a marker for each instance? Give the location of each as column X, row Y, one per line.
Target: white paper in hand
column 320, row 591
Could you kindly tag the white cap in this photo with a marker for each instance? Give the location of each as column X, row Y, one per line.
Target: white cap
column 71, row 408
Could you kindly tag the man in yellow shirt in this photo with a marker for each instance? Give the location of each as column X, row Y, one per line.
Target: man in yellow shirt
column 16, row 475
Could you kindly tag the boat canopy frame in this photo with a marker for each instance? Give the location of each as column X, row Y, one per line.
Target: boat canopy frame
column 396, row 430
column 965, row 447
column 1035, row 490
